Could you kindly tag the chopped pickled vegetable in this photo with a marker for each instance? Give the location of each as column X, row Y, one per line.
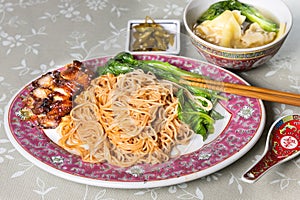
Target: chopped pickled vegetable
column 151, row 36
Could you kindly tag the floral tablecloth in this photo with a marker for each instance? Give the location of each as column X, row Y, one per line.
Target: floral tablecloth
column 37, row 35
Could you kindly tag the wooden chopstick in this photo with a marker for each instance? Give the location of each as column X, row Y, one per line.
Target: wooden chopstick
column 244, row 90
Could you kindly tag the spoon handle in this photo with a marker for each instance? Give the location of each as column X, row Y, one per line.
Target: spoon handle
column 263, row 165
column 283, row 144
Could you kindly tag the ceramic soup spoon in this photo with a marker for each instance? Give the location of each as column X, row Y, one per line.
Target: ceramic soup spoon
column 283, row 144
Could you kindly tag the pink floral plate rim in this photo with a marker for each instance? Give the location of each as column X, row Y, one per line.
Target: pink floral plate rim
column 246, row 124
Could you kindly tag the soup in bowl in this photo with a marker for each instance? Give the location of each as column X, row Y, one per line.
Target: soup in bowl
column 228, row 37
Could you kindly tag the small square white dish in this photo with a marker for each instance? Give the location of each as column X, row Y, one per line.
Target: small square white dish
column 139, row 40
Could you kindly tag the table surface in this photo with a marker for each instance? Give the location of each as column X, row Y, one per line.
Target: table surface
column 38, row 35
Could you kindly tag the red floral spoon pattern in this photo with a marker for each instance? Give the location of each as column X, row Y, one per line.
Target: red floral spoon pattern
column 283, row 144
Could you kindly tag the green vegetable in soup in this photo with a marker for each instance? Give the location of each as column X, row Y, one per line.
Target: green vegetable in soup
column 192, row 109
column 214, row 10
column 251, row 13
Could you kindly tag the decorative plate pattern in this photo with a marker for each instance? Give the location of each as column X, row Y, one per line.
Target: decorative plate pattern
column 244, row 125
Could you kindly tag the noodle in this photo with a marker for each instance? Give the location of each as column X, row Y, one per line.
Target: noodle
column 125, row 120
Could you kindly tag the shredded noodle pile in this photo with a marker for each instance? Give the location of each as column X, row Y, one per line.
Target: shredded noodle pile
column 125, row 120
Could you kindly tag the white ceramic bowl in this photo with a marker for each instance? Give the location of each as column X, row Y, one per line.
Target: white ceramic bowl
column 237, row 59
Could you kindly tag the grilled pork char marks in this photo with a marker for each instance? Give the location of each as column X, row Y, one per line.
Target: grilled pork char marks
column 52, row 94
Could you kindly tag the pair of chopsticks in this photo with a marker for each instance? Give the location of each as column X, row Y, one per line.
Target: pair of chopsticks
column 244, row 90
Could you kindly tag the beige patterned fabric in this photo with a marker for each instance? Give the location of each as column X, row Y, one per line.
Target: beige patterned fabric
column 37, row 35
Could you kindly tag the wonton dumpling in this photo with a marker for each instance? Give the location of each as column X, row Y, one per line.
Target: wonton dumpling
column 224, row 30
column 255, row 36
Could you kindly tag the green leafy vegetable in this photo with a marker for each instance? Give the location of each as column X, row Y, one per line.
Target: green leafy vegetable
column 251, row 13
column 198, row 120
column 214, row 11
column 192, row 110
